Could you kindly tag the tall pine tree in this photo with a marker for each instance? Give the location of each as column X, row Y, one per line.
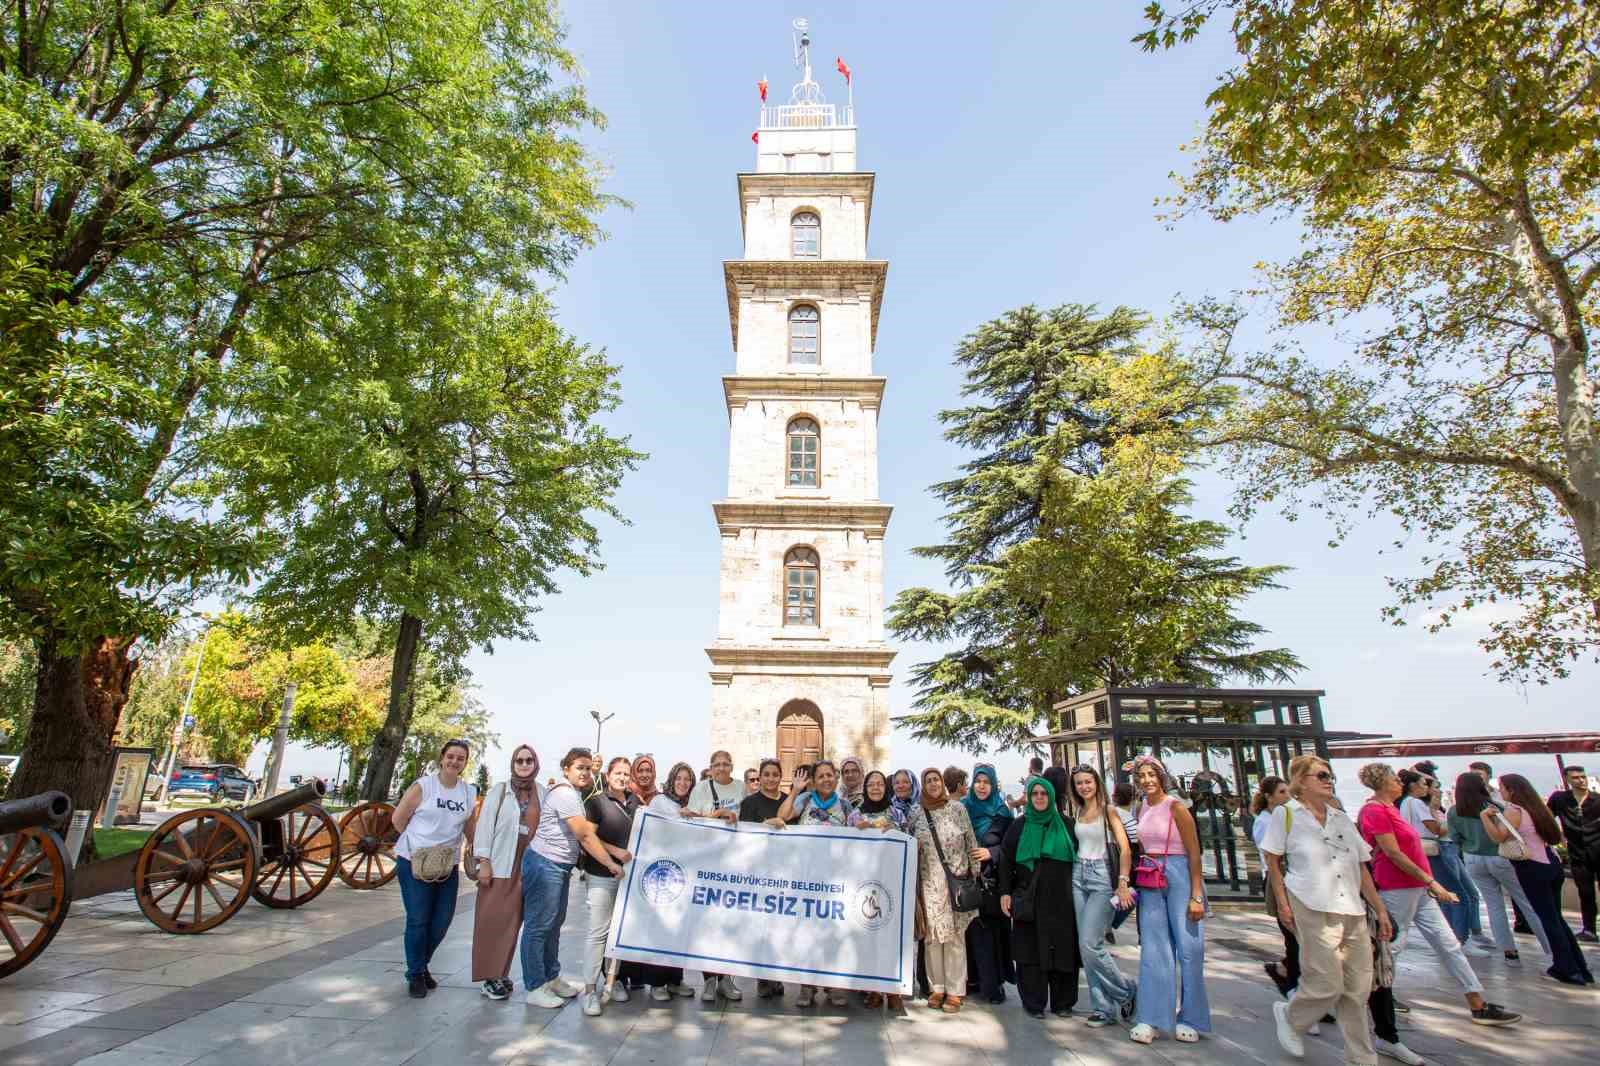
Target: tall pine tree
column 1073, row 561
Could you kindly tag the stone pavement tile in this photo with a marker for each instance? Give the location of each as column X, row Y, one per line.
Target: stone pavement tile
column 150, row 957
column 933, row 1038
column 190, row 971
column 131, row 996
column 47, row 969
column 292, row 1040
column 62, row 1019
column 26, row 1004
column 66, row 1046
column 122, row 1057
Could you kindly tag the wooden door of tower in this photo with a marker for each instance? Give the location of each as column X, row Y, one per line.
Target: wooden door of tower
column 799, row 736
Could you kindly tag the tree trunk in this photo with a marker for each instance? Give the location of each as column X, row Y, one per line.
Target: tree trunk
column 387, row 744
column 77, row 699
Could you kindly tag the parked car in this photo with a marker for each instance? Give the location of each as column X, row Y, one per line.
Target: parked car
column 214, row 781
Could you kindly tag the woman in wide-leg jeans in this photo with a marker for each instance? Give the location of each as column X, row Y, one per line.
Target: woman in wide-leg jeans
column 1172, row 946
column 1091, row 897
column 1104, row 860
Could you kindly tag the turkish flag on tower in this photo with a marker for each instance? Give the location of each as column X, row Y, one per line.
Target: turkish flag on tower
column 762, row 85
column 843, row 69
column 756, row 136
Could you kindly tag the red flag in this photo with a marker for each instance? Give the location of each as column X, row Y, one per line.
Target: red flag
column 756, row 136
column 762, row 85
column 843, row 69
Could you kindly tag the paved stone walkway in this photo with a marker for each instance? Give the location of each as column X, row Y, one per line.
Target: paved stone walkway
column 323, row 985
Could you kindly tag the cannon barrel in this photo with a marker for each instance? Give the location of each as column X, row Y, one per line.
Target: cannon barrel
column 46, row 809
column 284, row 802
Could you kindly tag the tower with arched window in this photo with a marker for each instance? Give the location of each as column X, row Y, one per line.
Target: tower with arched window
column 799, row 667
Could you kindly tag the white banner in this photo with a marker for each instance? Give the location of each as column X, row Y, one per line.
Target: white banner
column 818, row 906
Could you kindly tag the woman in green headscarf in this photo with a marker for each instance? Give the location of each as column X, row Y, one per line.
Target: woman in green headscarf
column 1036, row 891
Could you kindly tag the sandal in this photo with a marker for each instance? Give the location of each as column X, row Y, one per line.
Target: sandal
column 952, row 1004
column 935, row 1000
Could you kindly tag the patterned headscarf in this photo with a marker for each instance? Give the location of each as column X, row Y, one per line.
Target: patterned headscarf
column 902, row 808
column 638, row 789
column 984, row 812
column 672, row 774
column 853, row 797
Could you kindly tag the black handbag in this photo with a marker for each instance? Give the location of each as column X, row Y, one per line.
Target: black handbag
column 1023, row 903
column 965, row 892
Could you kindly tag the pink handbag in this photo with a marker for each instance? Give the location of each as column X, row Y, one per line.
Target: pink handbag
column 1151, row 872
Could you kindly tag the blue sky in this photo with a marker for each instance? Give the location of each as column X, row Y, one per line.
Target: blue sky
column 1019, row 149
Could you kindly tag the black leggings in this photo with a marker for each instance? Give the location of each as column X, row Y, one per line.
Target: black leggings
column 1541, row 881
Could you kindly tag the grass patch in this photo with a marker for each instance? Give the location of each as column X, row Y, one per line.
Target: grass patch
column 109, row 843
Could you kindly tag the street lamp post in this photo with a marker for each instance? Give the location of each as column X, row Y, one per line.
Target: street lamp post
column 183, row 722
column 598, row 722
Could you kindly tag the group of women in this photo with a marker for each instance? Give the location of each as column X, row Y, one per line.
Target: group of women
column 1346, row 892
column 1051, row 874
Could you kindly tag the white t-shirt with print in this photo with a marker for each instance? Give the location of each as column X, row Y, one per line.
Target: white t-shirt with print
column 710, row 796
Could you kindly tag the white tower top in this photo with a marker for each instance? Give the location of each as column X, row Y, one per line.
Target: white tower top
column 807, row 135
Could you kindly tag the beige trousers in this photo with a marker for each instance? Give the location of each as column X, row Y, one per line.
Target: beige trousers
column 947, row 965
column 1336, row 975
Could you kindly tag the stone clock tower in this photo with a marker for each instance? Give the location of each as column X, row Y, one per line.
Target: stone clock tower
column 799, row 668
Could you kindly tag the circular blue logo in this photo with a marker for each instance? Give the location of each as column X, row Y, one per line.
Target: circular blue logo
column 663, row 881
column 872, row 907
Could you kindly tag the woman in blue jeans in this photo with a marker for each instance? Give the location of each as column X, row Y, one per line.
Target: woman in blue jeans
column 546, row 872
column 1100, row 883
column 1172, row 946
column 435, row 812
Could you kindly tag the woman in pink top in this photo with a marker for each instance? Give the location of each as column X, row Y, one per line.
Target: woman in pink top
column 1539, row 875
column 1409, row 892
column 1172, row 945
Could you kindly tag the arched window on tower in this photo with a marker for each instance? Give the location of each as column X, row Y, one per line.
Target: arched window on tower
column 805, row 231
column 804, row 450
column 804, row 326
column 801, row 585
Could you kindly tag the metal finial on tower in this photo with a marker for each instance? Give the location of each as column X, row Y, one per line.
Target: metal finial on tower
column 807, row 91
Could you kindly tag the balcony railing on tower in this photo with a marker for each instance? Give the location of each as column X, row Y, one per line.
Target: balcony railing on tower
column 807, row 116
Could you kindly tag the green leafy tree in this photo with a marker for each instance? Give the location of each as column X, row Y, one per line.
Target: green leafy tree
column 1073, row 564
column 459, row 458
column 155, row 700
column 174, row 174
column 16, row 693
column 1443, row 159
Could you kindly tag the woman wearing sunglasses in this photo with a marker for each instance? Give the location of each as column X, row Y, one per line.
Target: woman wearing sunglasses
column 506, row 823
column 1318, row 878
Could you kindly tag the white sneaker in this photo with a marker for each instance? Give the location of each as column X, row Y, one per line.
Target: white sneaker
column 1315, row 1030
column 730, row 991
column 1142, row 1034
column 807, row 996
column 591, row 1004
column 543, row 997
column 681, row 989
column 564, row 989
column 1475, row 950
column 708, row 991
column 1399, row 1052
column 619, row 993
column 1288, row 1039
column 660, row 993
column 1187, row 1034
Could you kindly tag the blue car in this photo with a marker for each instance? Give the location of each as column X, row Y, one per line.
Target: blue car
column 214, row 781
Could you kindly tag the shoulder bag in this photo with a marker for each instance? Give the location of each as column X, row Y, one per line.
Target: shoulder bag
column 1512, row 847
column 1151, row 872
column 965, row 892
column 435, row 863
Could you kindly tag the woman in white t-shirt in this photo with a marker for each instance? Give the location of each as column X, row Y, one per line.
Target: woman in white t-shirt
column 436, row 810
column 718, row 796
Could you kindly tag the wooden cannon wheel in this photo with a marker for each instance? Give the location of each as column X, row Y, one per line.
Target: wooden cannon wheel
column 366, row 845
column 35, row 893
column 195, row 871
column 309, row 860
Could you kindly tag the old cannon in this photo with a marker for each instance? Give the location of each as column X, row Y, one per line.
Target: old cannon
column 35, row 877
column 195, row 871
column 366, row 845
